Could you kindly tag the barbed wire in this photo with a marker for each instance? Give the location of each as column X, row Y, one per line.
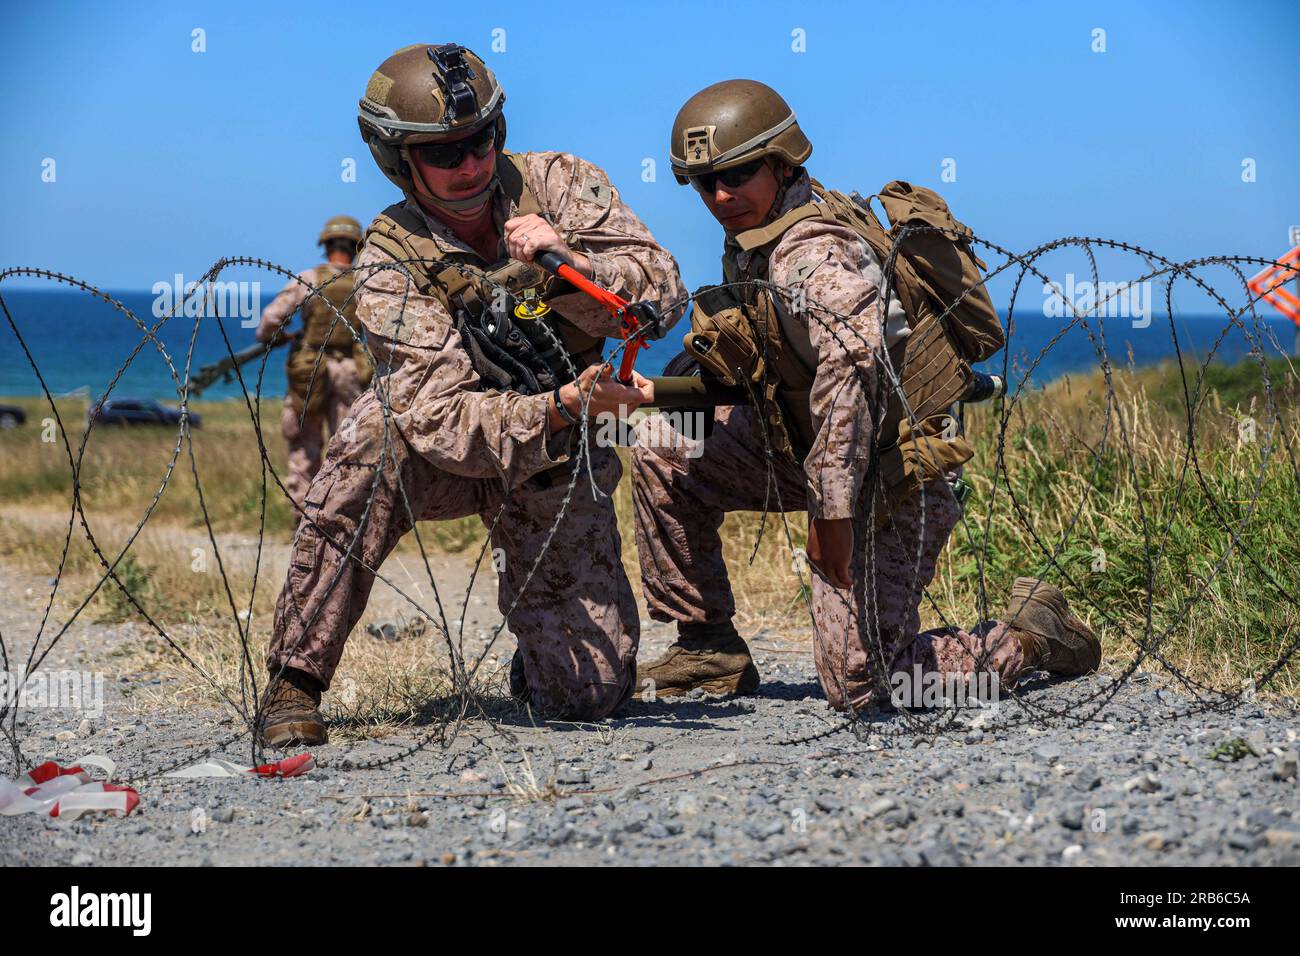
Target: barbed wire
column 878, row 381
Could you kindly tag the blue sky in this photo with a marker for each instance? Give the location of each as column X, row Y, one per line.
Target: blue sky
column 168, row 159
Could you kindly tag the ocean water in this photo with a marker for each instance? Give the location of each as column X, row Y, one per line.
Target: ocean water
column 81, row 343
column 1036, row 346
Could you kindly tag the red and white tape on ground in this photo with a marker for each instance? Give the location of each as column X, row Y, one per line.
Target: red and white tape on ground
column 66, row 792
column 216, row 767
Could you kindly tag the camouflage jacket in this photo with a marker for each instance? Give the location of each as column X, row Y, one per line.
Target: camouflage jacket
column 836, row 277
column 426, row 371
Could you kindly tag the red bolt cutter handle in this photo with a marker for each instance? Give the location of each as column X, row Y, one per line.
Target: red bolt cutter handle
column 629, row 314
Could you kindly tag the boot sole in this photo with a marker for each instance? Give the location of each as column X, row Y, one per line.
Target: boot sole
column 741, row 685
column 1080, row 652
column 1084, row 652
column 292, row 733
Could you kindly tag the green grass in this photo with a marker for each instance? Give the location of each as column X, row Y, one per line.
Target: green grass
column 1239, row 386
column 1149, row 516
column 135, row 578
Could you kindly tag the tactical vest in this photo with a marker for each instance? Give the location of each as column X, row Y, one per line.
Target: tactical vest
column 325, row 331
column 322, row 327
column 737, row 334
column 499, row 331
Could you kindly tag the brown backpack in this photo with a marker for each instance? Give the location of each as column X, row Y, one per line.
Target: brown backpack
column 938, row 280
column 942, row 265
column 940, row 283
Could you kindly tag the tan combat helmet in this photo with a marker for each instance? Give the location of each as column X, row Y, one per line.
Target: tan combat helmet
column 428, row 94
column 340, row 227
column 731, row 123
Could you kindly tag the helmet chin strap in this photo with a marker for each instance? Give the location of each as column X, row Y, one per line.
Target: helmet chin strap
column 469, row 202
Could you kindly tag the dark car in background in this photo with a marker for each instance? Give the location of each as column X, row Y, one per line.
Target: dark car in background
column 137, row 411
column 11, row 416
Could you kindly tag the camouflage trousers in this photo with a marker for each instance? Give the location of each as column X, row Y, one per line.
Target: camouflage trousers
column 576, row 620
column 335, row 386
column 867, row 643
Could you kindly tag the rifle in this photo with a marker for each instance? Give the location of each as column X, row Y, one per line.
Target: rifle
column 695, row 391
column 703, row 391
column 225, row 368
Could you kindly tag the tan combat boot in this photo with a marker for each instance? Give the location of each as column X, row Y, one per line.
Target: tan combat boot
column 1052, row 638
column 292, row 713
column 708, row 656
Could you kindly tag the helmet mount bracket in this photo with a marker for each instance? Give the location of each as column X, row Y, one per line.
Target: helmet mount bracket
column 452, row 73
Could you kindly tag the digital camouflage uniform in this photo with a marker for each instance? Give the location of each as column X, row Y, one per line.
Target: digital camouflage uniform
column 681, row 495
column 449, row 450
column 320, row 393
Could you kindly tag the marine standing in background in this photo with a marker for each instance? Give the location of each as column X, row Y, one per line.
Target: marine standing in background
column 327, row 366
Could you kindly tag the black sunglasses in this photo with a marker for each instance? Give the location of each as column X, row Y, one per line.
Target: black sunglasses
column 451, row 155
column 341, row 245
column 731, row 178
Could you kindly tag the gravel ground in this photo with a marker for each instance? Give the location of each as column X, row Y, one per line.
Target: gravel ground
column 699, row 781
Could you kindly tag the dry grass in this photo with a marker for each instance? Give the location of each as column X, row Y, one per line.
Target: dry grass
column 1080, row 496
column 764, row 582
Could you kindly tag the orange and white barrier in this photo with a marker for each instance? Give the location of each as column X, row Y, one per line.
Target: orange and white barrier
column 1278, row 275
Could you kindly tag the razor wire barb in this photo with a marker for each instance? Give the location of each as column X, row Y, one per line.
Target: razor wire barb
column 877, row 379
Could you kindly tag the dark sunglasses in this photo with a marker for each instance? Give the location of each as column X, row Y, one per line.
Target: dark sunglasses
column 731, row 178
column 341, row 245
column 451, row 155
